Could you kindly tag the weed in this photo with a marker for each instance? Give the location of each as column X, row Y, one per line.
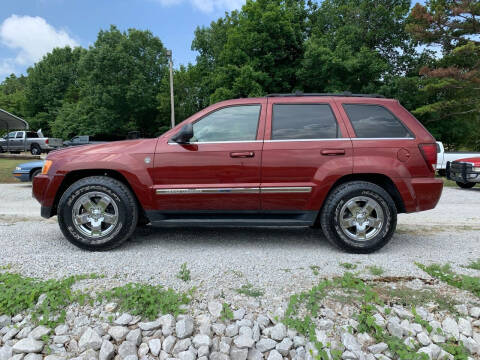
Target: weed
column 348, row 266
column 250, row 290
column 376, row 270
column 315, row 269
column 184, row 273
column 412, row 298
column 475, row 265
column 446, row 274
column 227, row 313
column 147, row 300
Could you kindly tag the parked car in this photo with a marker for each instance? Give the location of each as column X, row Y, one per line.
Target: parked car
column 465, row 172
column 34, row 142
column 81, row 140
column 346, row 163
column 27, row 171
column 444, row 157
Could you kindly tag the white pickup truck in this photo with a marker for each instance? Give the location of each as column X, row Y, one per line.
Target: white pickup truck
column 443, row 157
column 35, row 142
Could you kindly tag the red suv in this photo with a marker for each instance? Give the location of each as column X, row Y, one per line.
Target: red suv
column 345, row 163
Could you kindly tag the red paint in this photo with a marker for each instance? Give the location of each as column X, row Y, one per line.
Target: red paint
column 317, row 164
column 474, row 160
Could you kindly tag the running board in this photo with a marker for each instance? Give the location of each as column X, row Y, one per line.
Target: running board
column 232, row 218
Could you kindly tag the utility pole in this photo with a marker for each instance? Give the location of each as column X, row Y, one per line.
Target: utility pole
column 172, row 102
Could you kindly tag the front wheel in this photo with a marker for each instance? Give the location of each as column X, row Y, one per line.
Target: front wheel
column 359, row 217
column 467, row 185
column 97, row 213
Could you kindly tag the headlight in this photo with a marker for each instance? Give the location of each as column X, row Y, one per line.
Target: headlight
column 46, row 166
column 476, row 169
column 18, row 168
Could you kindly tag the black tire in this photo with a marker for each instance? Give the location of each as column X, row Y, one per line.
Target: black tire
column 35, row 173
column 330, row 216
column 123, row 199
column 467, row 185
column 35, row 149
column 1, row 150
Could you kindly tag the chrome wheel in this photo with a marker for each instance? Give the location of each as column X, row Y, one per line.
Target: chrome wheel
column 95, row 214
column 361, row 218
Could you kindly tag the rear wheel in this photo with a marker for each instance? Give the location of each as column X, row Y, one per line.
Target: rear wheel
column 359, row 217
column 97, row 213
column 35, row 149
column 467, row 185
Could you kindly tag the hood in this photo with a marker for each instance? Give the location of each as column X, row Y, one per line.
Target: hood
column 114, row 147
column 474, row 160
column 31, row 165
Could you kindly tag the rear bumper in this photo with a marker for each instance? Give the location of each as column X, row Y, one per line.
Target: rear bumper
column 44, row 189
column 419, row 194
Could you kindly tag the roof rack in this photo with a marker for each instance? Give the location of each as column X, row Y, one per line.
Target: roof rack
column 344, row 94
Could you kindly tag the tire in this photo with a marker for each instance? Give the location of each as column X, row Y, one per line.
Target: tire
column 468, row 185
column 355, row 195
column 1, row 150
column 121, row 209
column 35, row 149
column 35, row 173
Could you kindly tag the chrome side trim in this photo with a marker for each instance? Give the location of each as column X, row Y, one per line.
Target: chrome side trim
column 217, row 142
column 286, row 189
column 295, row 140
column 405, row 138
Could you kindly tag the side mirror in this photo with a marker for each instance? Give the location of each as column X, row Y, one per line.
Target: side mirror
column 184, row 135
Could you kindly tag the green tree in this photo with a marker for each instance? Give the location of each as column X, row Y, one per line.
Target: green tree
column 12, row 95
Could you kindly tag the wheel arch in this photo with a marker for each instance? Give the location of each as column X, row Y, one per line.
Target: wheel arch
column 32, row 171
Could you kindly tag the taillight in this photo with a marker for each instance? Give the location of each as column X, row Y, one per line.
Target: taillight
column 46, row 141
column 429, row 152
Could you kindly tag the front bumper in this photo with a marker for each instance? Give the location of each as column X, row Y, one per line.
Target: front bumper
column 22, row 176
column 462, row 172
column 44, row 189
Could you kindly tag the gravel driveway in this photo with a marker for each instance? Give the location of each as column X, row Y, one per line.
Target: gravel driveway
column 278, row 260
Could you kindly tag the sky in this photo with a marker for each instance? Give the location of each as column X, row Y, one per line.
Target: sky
column 31, row 28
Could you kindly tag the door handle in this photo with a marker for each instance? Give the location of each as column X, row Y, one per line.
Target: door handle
column 333, row 152
column 242, row 154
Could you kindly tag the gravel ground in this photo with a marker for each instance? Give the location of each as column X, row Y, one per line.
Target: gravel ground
column 278, row 260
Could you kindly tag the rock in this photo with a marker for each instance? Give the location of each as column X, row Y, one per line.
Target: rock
column 402, row 313
column 143, row 350
column 263, row 321
column 28, row 345
column 33, row 357
column 410, row 342
column 265, row 345
column 218, row 356
column 245, row 331
column 423, row 339
column 395, row 328
column 325, row 324
column 278, row 332
column 123, row 320
column 201, row 340
column 348, row 355
column 53, row 357
column 107, row 351
column 472, row 346
column 135, row 336
column 349, row 341
column 437, row 338
column 224, row 347
column 298, row 341
column 61, row 339
column 186, row 355
column 215, row 308
column 284, row 346
column 127, row 348
column 152, row 325
column 378, row 348
column 243, row 341
column 181, row 345
column 61, row 329
column 364, row 339
column 432, row 351
column 450, row 328
column 118, row 333
column 81, row 321
column 168, row 343
column 155, row 346
column 465, row 327
column 218, row 329
column 110, row 307
column 238, row 354
column 256, row 332
column 238, row 314
column 5, row 320
column 22, row 334
column 10, row 334
column 184, row 327
column 5, row 352
column 90, row 340
column 474, row 312
column 231, row 330
column 274, row 355
column 203, row 351
column 462, row 309
column 254, row 354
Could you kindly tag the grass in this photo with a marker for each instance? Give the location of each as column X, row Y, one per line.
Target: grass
column 250, row 290
column 227, row 313
column 475, row 265
column 375, row 270
column 315, row 269
column 184, row 273
column 348, row 266
column 6, row 168
column 448, row 183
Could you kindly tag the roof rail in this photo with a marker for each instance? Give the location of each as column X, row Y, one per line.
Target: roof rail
column 344, row 94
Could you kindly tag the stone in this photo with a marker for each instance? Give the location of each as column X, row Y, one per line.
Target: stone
column 378, row 348
column 118, row 333
column 254, row 354
column 410, row 342
column 472, row 346
column 265, row 344
column 123, row 320
column 238, row 354
column 395, row 328
column 201, row 340
column 203, row 351
column 215, row 308
column 364, row 339
column 22, row 334
column 152, row 325
column 245, row 331
column 181, row 345
column 168, row 343
column 218, row 356
column 90, row 340
column 450, row 328
column 474, row 312
column 243, row 341
column 402, row 313
column 186, row 355
column 465, row 327
column 135, row 336
column 432, row 351
column 61, row 329
column 278, row 332
column 423, row 339
column 218, row 329
column 224, row 347
column 10, row 334
column 5, row 320
column 349, row 341
column 127, row 348
column 107, row 351
column 53, row 357
column 348, row 355
column 461, row 309
column 325, row 324
column 231, row 330
column 61, row 339
column 81, row 321
column 184, row 327
column 28, row 345
column 143, row 350
column 263, row 321
column 284, row 346
column 33, row 357
column 274, row 355
column 6, row 352
column 155, row 346
column 299, row 341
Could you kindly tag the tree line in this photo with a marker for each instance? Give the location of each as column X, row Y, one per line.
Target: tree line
column 426, row 56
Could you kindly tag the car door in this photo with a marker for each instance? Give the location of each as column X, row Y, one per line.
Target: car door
column 220, row 168
column 307, row 148
column 16, row 144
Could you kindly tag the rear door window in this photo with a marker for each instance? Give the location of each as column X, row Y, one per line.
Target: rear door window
column 303, row 121
column 375, row 121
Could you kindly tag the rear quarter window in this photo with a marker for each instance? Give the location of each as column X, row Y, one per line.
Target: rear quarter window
column 375, row 121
